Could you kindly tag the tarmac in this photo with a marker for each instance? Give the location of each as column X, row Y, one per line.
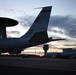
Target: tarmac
column 37, row 65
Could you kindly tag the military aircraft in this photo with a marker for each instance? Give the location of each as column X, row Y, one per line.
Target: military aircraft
column 36, row 35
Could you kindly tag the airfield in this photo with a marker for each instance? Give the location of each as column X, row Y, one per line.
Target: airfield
column 39, row 64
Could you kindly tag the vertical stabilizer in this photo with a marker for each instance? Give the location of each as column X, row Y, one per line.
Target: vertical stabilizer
column 38, row 30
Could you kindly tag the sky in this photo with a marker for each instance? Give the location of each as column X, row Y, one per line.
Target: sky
column 62, row 23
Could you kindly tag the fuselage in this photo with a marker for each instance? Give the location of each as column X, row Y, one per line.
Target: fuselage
column 10, row 44
column 13, row 44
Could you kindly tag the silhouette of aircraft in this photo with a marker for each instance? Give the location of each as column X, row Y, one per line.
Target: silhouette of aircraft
column 36, row 35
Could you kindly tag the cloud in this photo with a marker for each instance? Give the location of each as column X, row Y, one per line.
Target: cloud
column 63, row 24
column 26, row 20
column 10, row 11
column 13, row 33
column 7, row 9
column 58, row 25
column 70, row 45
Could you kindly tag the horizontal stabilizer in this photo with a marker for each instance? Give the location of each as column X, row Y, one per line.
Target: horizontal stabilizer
column 56, row 39
column 42, row 7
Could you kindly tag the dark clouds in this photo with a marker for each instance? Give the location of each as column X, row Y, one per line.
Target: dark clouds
column 70, row 45
column 66, row 24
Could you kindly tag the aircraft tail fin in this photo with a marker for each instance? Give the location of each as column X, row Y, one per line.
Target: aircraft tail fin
column 38, row 30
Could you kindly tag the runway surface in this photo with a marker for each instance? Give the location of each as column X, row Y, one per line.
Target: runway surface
column 38, row 65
